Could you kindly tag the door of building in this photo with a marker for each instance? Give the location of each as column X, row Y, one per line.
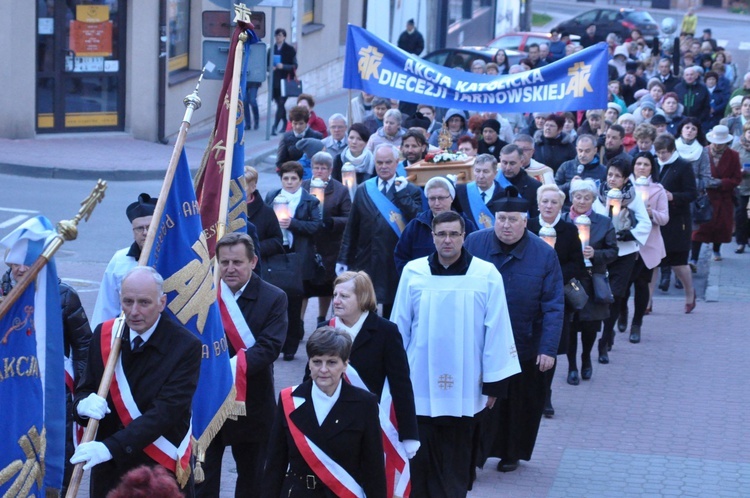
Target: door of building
column 80, row 66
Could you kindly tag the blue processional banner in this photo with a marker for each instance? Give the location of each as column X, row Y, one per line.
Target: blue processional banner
column 576, row 82
column 32, row 376
column 180, row 254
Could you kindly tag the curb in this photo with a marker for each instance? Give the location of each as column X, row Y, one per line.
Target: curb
column 53, row 172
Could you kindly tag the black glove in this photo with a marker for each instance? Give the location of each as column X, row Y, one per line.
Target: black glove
column 625, row 235
column 600, row 141
column 328, row 224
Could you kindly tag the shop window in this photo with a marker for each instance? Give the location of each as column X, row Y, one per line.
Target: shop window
column 178, row 22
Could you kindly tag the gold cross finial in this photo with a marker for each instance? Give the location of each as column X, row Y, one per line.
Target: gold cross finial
column 242, row 13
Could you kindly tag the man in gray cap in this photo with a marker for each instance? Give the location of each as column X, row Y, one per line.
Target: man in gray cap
column 535, row 300
column 107, row 306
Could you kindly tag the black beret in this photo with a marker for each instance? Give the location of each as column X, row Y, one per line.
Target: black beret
column 510, row 202
column 144, row 206
column 491, row 123
column 417, row 120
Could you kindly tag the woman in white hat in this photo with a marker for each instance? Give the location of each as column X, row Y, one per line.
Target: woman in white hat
column 726, row 175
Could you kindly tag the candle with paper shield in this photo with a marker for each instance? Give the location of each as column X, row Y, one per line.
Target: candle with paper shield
column 583, row 223
column 349, row 178
column 281, row 209
column 318, row 190
column 614, row 200
column 641, row 184
column 549, row 235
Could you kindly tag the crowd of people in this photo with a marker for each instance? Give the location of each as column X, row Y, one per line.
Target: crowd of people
column 441, row 310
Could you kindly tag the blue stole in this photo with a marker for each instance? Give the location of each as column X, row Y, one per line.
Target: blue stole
column 482, row 215
column 401, row 169
column 388, row 210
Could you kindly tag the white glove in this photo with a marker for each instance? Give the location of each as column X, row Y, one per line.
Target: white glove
column 94, row 406
column 92, row 453
column 341, row 268
column 401, row 182
column 411, row 446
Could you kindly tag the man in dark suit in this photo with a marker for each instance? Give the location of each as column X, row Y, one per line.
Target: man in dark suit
column 263, row 307
column 284, row 60
column 511, row 161
column 288, row 150
column 474, row 197
column 665, row 75
column 160, row 361
column 382, row 207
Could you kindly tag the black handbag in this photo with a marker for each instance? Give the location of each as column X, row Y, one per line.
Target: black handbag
column 575, row 294
column 701, row 209
column 285, row 272
column 602, row 290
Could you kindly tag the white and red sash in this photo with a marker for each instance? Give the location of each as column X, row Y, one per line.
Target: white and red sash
column 173, row 458
column 333, row 475
column 239, row 335
column 397, row 473
column 70, row 383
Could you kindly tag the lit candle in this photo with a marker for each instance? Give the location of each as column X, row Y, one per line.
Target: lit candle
column 614, row 201
column 583, row 223
column 281, row 209
column 318, row 190
column 641, row 184
column 549, row 235
column 349, row 178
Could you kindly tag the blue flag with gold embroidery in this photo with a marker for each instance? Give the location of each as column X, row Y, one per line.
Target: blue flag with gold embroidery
column 180, row 254
column 575, row 82
column 32, row 374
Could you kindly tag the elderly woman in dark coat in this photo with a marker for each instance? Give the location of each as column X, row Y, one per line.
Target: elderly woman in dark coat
column 726, row 175
column 336, row 207
column 678, row 180
column 570, row 254
column 600, row 252
column 298, row 231
column 262, row 216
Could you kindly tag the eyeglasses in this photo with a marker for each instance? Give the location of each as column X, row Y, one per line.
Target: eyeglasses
column 141, row 229
column 451, row 235
column 501, row 219
column 438, row 198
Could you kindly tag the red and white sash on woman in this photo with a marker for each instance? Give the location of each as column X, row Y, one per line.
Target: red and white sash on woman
column 397, row 473
column 163, row 452
column 333, row 475
column 239, row 335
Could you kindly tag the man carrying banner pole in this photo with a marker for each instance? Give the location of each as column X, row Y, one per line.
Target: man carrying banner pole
column 143, row 426
column 32, row 451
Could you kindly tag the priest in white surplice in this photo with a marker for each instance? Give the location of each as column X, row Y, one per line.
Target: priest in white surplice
column 452, row 313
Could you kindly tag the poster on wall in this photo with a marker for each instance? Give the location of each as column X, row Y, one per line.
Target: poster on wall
column 91, row 39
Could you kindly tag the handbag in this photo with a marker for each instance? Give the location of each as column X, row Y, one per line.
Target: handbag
column 285, row 272
column 701, row 209
column 291, row 86
column 602, row 291
column 575, row 294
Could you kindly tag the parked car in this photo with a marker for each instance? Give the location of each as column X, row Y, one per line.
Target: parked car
column 519, row 40
column 463, row 56
column 618, row 21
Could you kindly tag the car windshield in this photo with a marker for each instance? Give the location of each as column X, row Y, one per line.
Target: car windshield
column 640, row 17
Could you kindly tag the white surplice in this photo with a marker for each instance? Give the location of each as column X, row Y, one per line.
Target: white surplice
column 457, row 335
